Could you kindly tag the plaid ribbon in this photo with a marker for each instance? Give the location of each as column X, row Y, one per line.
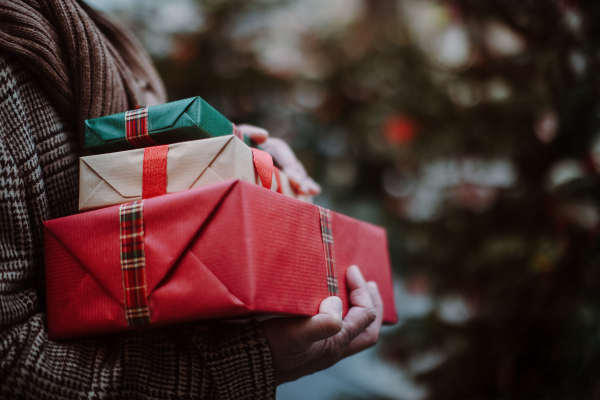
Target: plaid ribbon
column 133, row 263
column 136, row 122
column 327, row 236
column 238, row 133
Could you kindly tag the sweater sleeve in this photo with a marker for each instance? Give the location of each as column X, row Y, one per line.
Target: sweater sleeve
column 38, row 181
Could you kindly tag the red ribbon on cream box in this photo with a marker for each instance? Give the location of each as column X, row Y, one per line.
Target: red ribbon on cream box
column 126, row 176
column 221, row 251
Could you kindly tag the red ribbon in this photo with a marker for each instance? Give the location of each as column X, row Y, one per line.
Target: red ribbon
column 154, row 180
column 263, row 162
column 278, row 180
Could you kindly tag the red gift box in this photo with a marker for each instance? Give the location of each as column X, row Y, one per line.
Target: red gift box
column 227, row 250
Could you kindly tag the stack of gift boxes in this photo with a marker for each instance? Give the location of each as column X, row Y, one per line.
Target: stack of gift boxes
column 189, row 223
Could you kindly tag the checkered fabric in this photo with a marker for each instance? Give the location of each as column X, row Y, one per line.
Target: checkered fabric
column 136, row 122
column 38, row 180
column 327, row 236
column 133, row 263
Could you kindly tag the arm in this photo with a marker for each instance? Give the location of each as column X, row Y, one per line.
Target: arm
column 38, row 180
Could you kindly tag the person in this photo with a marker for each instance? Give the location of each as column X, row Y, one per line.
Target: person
column 62, row 62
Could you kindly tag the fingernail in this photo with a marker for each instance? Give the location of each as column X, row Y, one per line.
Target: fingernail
column 337, row 303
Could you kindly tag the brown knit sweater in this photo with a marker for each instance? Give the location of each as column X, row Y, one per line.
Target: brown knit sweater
column 89, row 66
column 38, row 181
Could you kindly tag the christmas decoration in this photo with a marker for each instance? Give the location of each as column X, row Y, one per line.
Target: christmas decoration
column 502, row 41
column 226, row 250
column 173, row 122
column 451, row 47
column 399, row 130
column 126, row 176
column 546, row 126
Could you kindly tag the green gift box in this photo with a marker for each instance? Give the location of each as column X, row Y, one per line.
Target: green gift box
column 178, row 121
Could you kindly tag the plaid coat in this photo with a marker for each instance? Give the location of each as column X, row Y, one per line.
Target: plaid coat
column 38, row 181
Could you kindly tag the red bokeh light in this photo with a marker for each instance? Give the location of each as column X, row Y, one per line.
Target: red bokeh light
column 400, row 130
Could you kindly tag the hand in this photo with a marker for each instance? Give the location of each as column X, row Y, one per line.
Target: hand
column 303, row 345
column 284, row 157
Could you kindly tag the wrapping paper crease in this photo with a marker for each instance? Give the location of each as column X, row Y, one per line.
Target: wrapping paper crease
column 116, row 178
column 212, row 252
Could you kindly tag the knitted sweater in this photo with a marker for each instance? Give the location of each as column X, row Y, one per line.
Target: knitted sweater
column 38, row 181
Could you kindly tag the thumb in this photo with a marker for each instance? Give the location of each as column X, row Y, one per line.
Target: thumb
column 328, row 322
column 293, row 335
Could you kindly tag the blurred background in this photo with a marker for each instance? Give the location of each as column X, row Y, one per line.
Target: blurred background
column 469, row 129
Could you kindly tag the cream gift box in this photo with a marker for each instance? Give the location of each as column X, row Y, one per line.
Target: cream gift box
column 116, row 178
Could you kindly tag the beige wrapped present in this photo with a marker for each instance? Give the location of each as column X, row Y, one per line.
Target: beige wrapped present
column 116, row 178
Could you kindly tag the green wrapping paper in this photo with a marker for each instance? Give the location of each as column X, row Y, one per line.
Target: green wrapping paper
column 178, row 121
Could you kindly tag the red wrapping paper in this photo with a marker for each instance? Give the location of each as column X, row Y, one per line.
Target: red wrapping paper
column 222, row 251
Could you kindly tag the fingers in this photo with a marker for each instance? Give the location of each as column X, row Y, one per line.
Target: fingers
column 282, row 153
column 363, row 312
column 301, row 346
column 327, row 323
column 377, row 302
column 285, row 158
column 313, row 188
column 293, row 335
column 359, row 292
column 307, row 186
column 259, row 135
column 369, row 336
column 301, row 182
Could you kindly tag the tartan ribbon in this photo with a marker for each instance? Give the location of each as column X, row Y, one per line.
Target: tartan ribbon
column 133, row 263
column 238, row 133
column 154, row 175
column 136, row 123
column 327, row 237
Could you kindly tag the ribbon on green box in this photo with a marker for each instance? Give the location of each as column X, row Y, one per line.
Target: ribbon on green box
column 177, row 121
